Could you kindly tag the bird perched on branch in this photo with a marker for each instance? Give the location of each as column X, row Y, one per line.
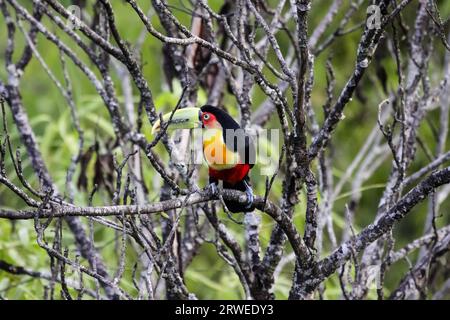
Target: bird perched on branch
column 228, row 150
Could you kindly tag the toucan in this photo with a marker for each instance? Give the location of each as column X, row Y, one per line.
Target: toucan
column 228, row 150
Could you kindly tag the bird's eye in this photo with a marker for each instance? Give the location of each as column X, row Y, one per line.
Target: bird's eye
column 206, row 116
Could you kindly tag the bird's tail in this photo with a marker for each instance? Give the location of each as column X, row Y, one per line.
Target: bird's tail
column 235, row 206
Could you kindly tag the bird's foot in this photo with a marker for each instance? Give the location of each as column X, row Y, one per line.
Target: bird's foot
column 250, row 196
column 213, row 189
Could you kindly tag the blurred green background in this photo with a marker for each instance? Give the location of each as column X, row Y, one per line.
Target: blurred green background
column 208, row 276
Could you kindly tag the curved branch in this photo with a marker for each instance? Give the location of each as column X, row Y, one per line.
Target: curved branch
column 202, row 196
column 374, row 231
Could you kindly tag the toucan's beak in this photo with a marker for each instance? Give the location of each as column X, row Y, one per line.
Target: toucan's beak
column 186, row 118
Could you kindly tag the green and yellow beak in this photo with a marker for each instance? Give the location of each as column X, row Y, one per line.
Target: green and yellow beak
column 186, row 118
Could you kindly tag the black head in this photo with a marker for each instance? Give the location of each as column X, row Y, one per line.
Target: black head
column 225, row 120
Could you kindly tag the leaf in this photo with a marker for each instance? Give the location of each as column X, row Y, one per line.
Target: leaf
column 194, row 275
column 165, row 215
column 4, row 283
column 365, row 188
column 104, row 172
column 197, row 56
column 168, row 65
column 382, row 76
column 86, row 157
column 23, row 236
